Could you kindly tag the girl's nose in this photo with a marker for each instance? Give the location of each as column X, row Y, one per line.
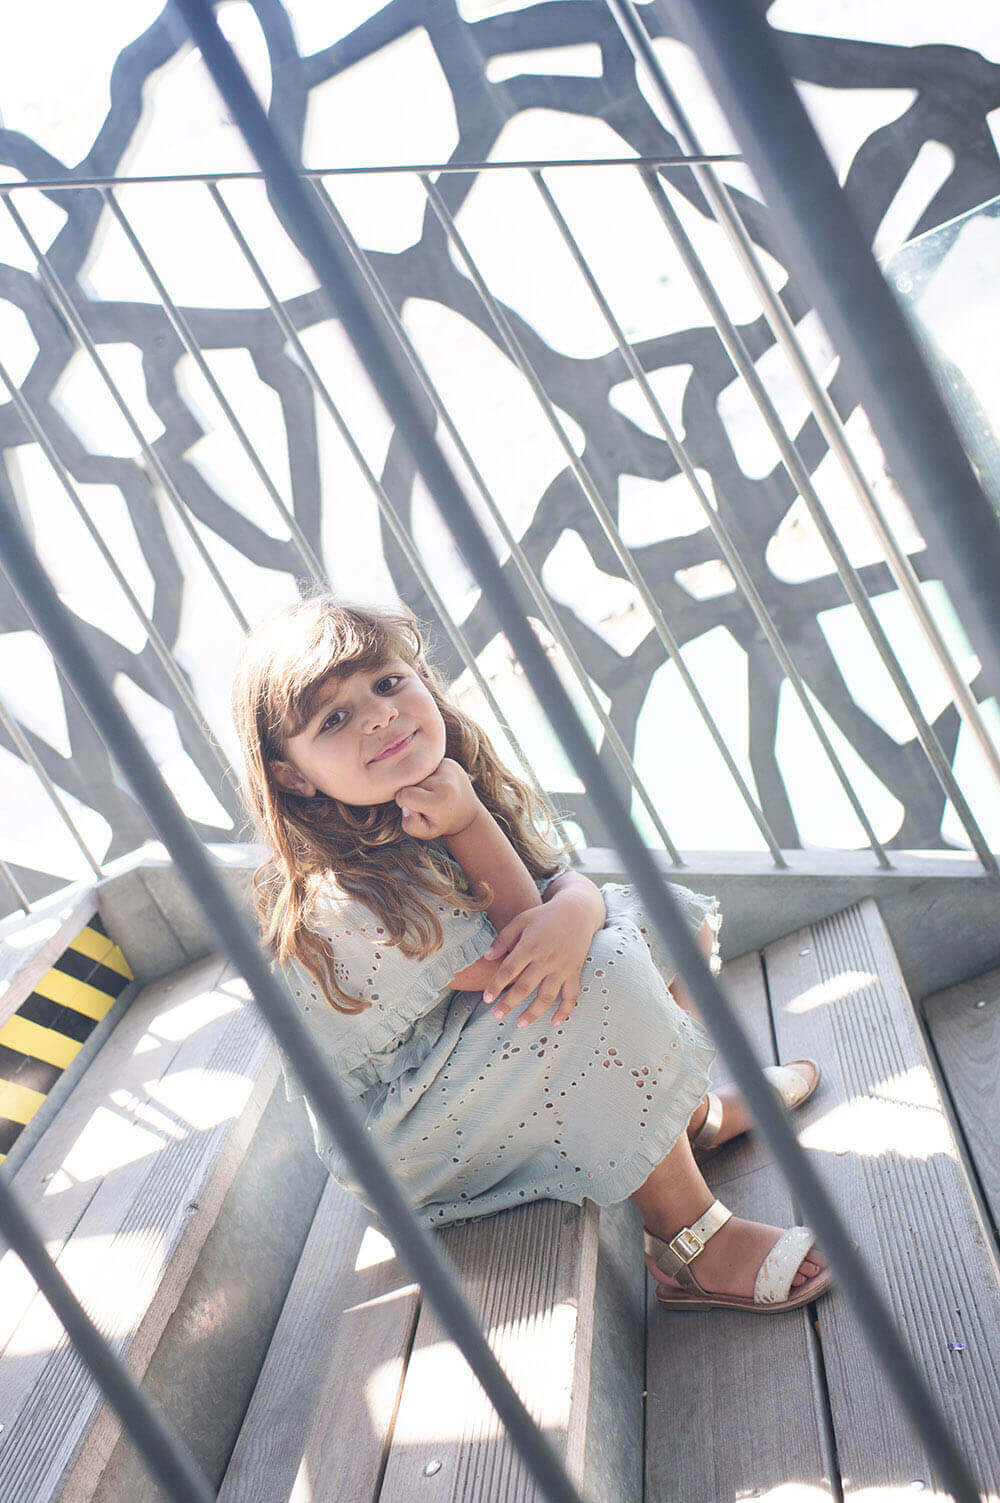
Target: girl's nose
column 381, row 714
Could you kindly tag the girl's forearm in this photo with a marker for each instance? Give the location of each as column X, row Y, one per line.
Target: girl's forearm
column 484, row 853
column 570, row 888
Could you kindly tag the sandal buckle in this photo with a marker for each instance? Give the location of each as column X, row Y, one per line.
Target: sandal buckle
column 686, row 1245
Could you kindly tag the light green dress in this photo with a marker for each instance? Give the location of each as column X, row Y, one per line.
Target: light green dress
column 474, row 1114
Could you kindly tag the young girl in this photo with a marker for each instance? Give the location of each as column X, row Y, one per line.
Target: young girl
column 417, row 906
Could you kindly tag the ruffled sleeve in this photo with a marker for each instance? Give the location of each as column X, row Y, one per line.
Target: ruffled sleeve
column 399, row 1026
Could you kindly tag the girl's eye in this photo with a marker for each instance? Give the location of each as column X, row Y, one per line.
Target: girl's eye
column 390, row 679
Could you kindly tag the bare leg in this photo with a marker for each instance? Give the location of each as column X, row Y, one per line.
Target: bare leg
column 735, row 1116
column 675, row 1195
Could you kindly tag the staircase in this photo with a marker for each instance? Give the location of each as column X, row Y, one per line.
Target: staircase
column 179, row 1193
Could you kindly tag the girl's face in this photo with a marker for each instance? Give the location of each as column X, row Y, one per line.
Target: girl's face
column 368, row 735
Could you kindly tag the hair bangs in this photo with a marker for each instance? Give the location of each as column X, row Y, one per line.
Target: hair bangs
column 342, row 644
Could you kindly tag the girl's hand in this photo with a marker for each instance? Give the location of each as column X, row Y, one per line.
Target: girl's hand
column 445, row 803
column 544, row 947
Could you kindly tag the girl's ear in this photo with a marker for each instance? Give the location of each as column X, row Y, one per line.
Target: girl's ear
column 287, row 777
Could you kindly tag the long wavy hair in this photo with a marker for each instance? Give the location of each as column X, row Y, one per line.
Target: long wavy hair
column 364, row 852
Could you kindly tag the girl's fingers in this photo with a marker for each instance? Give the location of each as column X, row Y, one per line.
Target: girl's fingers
column 508, row 972
column 566, row 1005
column 530, row 977
column 546, row 996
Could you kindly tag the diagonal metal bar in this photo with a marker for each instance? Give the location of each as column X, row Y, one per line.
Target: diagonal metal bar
column 801, row 479
column 605, row 520
column 581, row 473
column 183, row 331
column 51, row 279
column 830, row 424
column 390, row 379
column 385, row 505
column 531, row 580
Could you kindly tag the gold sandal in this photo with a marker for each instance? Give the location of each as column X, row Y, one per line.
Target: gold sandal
column 792, row 1090
column 773, row 1286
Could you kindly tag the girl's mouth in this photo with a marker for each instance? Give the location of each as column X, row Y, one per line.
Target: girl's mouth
column 397, row 746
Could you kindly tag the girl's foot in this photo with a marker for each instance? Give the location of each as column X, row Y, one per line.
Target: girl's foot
column 736, row 1117
column 729, row 1261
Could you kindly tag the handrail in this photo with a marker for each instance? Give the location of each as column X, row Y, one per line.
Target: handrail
column 52, row 184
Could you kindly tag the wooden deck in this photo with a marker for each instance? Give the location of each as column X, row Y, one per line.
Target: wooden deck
column 356, row 1394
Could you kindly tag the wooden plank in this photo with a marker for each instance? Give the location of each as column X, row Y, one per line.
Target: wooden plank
column 529, row 1274
column 613, row 1455
column 319, row 1420
column 878, row 1136
column 734, row 1406
column 132, row 1250
column 964, row 1023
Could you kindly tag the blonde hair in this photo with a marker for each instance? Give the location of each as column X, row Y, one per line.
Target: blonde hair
column 285, row 661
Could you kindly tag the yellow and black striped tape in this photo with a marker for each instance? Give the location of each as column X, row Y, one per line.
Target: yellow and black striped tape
column 51, row 1025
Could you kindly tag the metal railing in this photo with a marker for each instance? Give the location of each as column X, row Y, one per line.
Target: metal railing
column 310, row 566
column 393, row 379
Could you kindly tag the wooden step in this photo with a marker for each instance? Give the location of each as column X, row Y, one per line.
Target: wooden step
column 733, row 1408
column 124, row 1186
column 964, row 1023
column 879, row 1137
column 797, row 1402
column 363, row 1396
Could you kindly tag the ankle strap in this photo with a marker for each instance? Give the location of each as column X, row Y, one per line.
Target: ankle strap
column 674, row 1256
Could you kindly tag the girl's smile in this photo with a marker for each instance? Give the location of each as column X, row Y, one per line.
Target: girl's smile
column 396, row 746
column 367, row 735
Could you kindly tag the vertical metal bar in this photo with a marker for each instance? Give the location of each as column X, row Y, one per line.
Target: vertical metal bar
column 271, row 993
column 165, row 1454
column 389, row 378
column 384, row 503
column 69, row 310
column 827, row 417
column 832, row 260
column 530, row 577
column 156, row 641
column 27, row 752
column 182, row 329
column 801, row 479
column 582, row 475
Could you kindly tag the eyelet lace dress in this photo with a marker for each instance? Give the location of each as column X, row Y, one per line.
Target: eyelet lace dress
column 475, row 1114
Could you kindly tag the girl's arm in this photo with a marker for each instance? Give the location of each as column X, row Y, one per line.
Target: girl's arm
column 519, row 893
column 484, row 853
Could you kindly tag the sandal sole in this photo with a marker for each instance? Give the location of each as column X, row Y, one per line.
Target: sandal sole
column 701, row 1154
column 804, row 1295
